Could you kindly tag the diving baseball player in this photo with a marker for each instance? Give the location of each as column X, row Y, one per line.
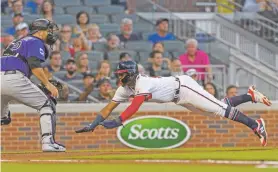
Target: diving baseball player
column 182, row 90
column 21, row 59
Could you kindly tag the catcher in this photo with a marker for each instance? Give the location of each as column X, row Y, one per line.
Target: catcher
column 19, row 61
column 182, row 90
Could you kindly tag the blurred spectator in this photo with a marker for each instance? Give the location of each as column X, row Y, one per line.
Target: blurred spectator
column 64, row 94
column 6, row 5
column 104, row 70
column 82, row 20
column 77, row 46
column 211, row 88
column 17, row 7
column 162, row 34
column 83, row 63
column 47, row 9
column 113, row 43
column 17, row 18
column 105, row 90
column 231, row 91
column 22, row 30
column 126, row 31
column 119, row 2
column 159, row 46
column 64, row 43
column 71, row 71
column 156, row 68
column 254, row 5
column 88, row 81
column 193, row 56
column 55, row 62
column 125, row 57
column 34, row 4
column 192, row 73
column 94, row 36
column 6, row 40
column 176, row 68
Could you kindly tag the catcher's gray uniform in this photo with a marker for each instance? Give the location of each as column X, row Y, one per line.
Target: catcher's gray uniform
column 16, row 64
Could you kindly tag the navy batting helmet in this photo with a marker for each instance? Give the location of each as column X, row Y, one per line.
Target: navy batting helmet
column 44, row 24
column 129, row 67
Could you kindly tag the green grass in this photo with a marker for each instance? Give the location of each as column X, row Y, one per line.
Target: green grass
column 7, row 167
column 217, row 154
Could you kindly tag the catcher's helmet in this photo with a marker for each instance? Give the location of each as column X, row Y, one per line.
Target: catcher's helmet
column 129, row 67
column 44, row 24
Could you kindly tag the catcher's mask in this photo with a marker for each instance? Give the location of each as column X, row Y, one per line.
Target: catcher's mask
column 130, row 69
column 44, row 24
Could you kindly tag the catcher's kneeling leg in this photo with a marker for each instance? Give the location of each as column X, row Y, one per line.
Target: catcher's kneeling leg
column 48, row 121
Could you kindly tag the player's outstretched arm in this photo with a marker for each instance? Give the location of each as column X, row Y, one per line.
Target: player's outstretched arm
column 102, row 115
column 132, row 109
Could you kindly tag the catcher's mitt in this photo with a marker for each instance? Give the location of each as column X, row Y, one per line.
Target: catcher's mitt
column 57, row 84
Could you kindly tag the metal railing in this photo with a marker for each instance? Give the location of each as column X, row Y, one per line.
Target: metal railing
column 252, row 21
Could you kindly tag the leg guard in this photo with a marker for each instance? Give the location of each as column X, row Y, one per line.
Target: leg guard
column 48, row 122
column 6, row 120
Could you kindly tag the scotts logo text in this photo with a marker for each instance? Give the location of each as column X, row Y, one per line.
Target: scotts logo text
column 153, row 132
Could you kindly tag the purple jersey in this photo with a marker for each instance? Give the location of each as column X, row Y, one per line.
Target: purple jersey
column 16, row 55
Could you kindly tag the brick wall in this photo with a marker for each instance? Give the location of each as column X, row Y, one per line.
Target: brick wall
column 24, row 133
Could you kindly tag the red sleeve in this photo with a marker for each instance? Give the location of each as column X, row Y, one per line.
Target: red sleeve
column 136, row 103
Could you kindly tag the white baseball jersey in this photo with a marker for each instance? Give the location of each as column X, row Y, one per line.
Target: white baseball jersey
column 160, row 90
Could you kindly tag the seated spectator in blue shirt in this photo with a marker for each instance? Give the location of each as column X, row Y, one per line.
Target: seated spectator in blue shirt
column 17, row 18
column 71, row 69
column 162, row 34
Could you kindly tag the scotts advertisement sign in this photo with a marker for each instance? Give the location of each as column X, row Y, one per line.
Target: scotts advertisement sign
column 153, row 132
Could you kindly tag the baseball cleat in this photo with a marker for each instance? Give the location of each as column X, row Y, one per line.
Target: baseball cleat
column 260, row 131
column 258, row 96
column 53, row 147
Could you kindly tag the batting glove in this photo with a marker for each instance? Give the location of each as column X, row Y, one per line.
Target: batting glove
column 109, row 124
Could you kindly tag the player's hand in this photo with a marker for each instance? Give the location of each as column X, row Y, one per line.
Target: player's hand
column 52, row 89
column 109, row 124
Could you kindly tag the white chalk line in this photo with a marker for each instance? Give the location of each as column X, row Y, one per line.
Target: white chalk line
column 258, row 164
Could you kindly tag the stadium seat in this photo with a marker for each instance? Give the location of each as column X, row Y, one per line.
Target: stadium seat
column 143, row 28
column 94, row 65
column 109, row 27
column 139, row 46
column 115, row 55
column 99, row 46
column 6, row 23
column 77, row 83
column 144, row 56
column 118, row 18
column 98, row 18
column 97, row 2
column 6, row 17
column 31, row 18
column 65, row 56
column 65, row 3
column 27, row 10
column 176, row 54
column 95, row 55
column 173, row 46
column 64, row 19
column 111, row 9
column 59, row 10
column 60, row 74
column 76, row 9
